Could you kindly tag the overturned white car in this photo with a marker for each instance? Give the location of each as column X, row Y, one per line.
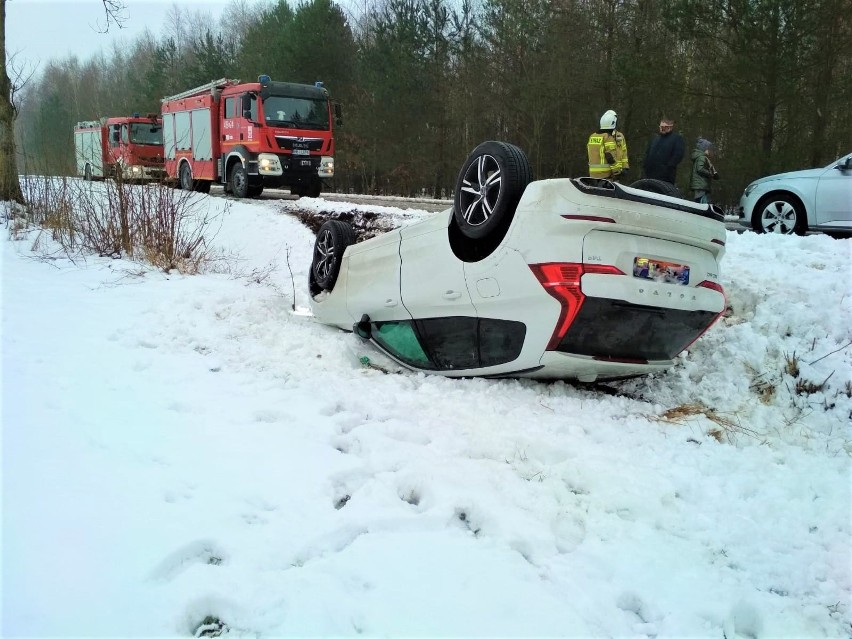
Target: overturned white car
column 564, row 278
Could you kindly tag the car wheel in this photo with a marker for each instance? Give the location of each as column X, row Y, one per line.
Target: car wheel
column 779, row 214
column 254, row 190
column 239, row 181
column 489, row 187
column 185, row 177
column 660, row 187
column 332, row 239
column 87, row 173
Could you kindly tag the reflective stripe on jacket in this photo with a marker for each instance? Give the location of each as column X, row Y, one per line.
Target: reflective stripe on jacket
column 607, row 154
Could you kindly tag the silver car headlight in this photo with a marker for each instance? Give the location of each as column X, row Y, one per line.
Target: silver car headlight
column 269, row 164
column 751, row 187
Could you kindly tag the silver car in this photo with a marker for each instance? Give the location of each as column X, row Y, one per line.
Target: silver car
column 565, row 278
column 801, row 201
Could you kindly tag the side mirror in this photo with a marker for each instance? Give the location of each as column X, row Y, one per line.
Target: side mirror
column 362, row 329
column 845, row 166
column 338, row 114
column 247, row 114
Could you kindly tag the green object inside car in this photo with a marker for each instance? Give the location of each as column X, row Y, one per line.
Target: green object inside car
column 400, row 338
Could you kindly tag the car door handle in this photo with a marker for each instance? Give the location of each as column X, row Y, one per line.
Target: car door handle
column 390, row 303
column 452, row 295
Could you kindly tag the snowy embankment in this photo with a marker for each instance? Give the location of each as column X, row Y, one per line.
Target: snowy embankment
column 186, row 454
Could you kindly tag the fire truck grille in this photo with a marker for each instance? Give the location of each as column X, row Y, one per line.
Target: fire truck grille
column 298, row 144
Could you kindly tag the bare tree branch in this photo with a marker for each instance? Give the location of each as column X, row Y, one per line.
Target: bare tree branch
column 19, row 77
column 116, row 14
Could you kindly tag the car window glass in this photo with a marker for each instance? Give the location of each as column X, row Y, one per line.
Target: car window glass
column 500, row 341
column 451, row 341
column 400, row 340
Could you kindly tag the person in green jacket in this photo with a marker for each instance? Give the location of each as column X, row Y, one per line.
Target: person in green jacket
column 703, row 171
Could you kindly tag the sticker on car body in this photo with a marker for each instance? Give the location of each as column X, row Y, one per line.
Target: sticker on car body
column 648, row 268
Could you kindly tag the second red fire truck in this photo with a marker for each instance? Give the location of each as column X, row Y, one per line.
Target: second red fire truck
column 129, row 148
column 247, row 136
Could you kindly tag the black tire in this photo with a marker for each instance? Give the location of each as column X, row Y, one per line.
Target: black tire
column 185, row 177
column 254, row 190
column 297, row 190
column 332, row 239
column 489, row 187
column 87, row 173
column 314, row 189
column 779, row 213
column 238, row 179
column 661, row 187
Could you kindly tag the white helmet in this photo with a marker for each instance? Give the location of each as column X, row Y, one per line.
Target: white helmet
column 609, row 119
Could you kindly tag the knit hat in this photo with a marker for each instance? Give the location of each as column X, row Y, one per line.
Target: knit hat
column 703, row 144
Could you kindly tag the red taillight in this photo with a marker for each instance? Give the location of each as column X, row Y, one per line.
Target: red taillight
column 713, row 286
column 562, row 281
column 602, row 269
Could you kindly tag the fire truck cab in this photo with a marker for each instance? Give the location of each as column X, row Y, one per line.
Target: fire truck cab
column 130, row 148
column 247, row 136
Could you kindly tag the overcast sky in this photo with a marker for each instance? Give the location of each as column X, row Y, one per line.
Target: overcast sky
column 40, row 30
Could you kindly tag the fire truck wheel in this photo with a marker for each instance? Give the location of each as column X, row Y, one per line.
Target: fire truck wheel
column 87, row 174
column 239, row 181
column 185, row 177
column 488, row 189
column 254, row 190
column 314, row 189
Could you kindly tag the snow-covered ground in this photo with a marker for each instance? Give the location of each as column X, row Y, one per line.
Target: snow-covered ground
column 183, row 454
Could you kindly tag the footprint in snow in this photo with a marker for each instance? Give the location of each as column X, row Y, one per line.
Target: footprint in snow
column 743, row 622
column 200, row 552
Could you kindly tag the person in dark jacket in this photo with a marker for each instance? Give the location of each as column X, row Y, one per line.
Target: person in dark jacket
column 664, row 153
column 703, row 171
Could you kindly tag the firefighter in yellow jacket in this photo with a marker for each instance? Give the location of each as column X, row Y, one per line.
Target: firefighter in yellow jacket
column 608, row 150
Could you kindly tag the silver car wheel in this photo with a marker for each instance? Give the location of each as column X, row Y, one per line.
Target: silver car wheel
column 480, row 190
column 324, row 254
column 778, row 216
column 333, row 237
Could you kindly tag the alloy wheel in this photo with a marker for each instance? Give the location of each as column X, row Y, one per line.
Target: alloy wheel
column 480, row 191
column 778, row 216
column 324, row 255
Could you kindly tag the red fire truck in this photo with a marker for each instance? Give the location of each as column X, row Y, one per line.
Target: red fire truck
column 249, row 135
column 127, row 147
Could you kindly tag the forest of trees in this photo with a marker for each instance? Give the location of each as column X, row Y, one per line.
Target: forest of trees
column 424, row 81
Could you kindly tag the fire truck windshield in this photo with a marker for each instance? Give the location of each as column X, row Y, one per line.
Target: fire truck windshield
column 303, row 113
column 146, row 133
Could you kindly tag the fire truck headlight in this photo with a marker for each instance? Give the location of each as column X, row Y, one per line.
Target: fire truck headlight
column 269, row 164
column 326, row 168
